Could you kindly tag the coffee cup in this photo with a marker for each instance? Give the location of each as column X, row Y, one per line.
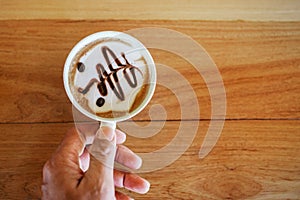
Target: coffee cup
column 109, row 77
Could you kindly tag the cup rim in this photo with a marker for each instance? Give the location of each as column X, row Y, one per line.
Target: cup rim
column 86, row 41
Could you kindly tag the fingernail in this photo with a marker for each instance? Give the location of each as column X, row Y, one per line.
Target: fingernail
column 108, row 133
column 139, row 162
column 146, row 187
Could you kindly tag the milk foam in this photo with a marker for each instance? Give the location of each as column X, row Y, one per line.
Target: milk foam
column 89, row 77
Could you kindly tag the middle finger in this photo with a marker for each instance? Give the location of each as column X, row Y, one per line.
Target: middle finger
column 127, row 157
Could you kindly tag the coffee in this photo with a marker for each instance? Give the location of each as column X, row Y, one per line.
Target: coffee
column 110, row 77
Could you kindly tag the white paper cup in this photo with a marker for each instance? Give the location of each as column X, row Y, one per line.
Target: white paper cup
column 137, row 45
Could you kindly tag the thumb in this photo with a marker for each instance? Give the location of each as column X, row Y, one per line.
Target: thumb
column 100, row 173
column 104, row 147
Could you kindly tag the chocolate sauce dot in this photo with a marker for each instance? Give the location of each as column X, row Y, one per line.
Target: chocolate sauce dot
column 80, row 67
column 100, row 102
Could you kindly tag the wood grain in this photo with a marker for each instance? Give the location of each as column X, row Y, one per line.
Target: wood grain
column 258, row 61
column 257, row 155
column 267, row 10
column 252, row 159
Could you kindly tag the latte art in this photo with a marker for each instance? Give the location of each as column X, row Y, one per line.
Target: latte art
column 109, row 78
column 128, row 72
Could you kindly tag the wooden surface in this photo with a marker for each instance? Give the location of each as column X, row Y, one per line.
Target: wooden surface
column 257, row 155
column 255, row 10
column 253, row 159
column 259, row 63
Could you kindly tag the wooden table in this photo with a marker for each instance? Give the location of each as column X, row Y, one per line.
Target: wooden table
column 256, row 47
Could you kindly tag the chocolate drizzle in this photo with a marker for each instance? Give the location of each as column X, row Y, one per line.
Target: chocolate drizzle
column 129, row 72
column 100, row 102
column 80, row 67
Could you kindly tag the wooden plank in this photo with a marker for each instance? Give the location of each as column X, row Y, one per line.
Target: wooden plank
column 267, row 10
column 252, row 159
column 259, row 64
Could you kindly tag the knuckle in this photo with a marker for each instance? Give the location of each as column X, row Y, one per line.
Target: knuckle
column 46, row 167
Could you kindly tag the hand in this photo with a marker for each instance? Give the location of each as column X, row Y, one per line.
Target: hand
column 74, row 173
